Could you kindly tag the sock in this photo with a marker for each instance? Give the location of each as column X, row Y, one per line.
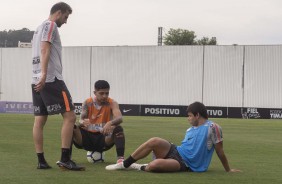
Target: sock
column 71, row 149
column 130, row 160
column 41, row 158
column 65, row 154
column 120, row 152
column 119, row 140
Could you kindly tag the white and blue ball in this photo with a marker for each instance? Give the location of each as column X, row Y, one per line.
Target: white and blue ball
column 95, row 156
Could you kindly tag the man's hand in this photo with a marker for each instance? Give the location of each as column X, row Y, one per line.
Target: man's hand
column 107, row 129
column 84, row 122
column 40, row 85
column 234, row 170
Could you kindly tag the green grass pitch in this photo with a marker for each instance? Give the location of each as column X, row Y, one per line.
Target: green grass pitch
column 253, row 146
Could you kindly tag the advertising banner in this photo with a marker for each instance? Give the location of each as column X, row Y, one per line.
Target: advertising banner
column 126, row 109
column 161, row 110
column 275, row 113
column 16, row 107
column 217, row 112
column 78, row 108
column 130, row 109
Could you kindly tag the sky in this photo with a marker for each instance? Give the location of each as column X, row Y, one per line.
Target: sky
column 136, row 22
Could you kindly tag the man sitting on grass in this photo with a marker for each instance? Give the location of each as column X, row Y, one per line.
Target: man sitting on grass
column 194, row 154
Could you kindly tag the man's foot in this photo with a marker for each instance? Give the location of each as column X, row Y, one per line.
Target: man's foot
column 118, row 166
column 43, row 166
column 137, row 166
column 70, row 165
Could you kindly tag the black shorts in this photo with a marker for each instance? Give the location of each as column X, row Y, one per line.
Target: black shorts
column 173, row 154
column 92, row 141
column 54, row 98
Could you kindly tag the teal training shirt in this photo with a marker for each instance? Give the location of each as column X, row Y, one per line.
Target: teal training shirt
column 198, row 145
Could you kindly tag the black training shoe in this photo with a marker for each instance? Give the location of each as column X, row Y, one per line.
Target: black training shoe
column 70, row 165
column 43, row 166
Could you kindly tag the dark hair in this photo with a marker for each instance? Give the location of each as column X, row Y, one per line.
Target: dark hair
column 64, row 7
column 198, row 107
column 101, row 84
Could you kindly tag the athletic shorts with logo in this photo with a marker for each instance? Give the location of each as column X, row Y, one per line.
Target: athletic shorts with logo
column 92, row 141
column 54, row 98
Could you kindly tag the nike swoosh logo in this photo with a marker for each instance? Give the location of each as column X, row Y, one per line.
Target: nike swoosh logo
column 126, row 110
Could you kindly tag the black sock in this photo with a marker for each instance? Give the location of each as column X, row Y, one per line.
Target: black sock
column 41, row 158
column 128, row 161
column 120, row 152
column 119, row 140
column 65, row 154
column 71, row 149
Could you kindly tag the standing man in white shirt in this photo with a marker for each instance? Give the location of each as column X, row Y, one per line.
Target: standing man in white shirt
column 49, row 92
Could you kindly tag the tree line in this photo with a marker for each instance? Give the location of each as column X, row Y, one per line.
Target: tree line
column 186, row 37
column 11, row 37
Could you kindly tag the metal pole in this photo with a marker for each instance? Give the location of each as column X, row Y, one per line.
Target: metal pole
column 160, row 36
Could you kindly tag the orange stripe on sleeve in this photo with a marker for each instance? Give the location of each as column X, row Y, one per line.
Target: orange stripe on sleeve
column 67, row 104
column 50, row 31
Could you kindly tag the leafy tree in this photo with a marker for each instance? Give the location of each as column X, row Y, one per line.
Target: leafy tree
column 186, row 37
column 179, row 37
column 207, row 41
column 12, row 37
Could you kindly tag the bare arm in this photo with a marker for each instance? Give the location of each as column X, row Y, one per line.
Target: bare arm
column 84, row 121
column 222, row 157
column 117, row 118
column 45, row 56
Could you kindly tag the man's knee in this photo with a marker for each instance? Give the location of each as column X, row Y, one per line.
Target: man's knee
column 154, row 141
column 76, row 131
column 77, row 137
column 40, row 121
column 118, row 132
column 154, row 166
column 72, row 118
column 69, row 116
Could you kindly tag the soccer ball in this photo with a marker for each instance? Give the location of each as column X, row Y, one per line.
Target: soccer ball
column 95, row 156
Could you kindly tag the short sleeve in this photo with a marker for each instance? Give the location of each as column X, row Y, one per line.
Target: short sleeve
column 49, row 31
column 215, row 133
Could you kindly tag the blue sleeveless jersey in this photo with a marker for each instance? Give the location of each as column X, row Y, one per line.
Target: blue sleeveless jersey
column 198, row 145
